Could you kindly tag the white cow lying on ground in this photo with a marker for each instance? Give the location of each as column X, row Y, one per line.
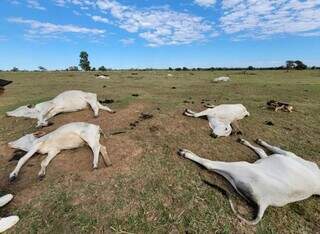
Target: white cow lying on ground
column 220, row 117
column 69, row 136
column 222, row 78
column 274, row 180
column 67, row 101
column 8, row 222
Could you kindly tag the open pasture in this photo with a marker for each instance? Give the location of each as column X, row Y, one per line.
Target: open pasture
column 149, row 188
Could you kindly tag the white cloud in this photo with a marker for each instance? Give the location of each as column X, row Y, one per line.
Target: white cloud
column 264, row 18
column 83, row 3
column 127, row 41
column 39, row 29
column 160, row 26
column 240, row 19
column 35, row 5
column 97, row 18
column 205, row 3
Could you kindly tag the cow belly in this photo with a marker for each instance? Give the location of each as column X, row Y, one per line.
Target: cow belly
column 71, row 105
column 70, row 141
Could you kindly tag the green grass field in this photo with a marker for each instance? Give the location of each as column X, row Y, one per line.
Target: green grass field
column 149, row 189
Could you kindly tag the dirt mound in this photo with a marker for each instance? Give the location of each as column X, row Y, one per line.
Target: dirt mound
column 76, row 164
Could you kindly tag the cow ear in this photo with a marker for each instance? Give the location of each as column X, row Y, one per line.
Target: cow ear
column 39, row 134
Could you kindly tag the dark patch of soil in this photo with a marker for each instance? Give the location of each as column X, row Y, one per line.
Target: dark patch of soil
column 106, row 101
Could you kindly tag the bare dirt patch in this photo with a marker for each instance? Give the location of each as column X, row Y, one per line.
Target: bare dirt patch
column 76, row 164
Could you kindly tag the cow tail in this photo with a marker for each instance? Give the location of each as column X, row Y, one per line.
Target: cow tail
column 228, row 196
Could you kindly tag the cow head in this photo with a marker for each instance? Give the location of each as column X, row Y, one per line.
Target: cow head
column 222, row 130
column 24, row 111
column 219, row 128
column 26, row 142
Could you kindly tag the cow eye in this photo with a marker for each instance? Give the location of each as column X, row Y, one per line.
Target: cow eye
column 226, row 129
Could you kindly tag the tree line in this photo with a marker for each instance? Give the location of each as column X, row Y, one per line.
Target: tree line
column 84, row 64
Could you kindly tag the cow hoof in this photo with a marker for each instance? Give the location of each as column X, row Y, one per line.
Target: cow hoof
column 113, row 112
column 241, row 141
column 41, row 177
column 213, row 135
column 258, row 141
column 95, row 167
column 181, row 152
column 12, row 177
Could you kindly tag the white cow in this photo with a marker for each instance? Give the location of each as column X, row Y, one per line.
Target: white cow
column 220, row 117
column 7, row 222
column 274, row 180
column 69, row 136
column 222, row 78
column 67, row 101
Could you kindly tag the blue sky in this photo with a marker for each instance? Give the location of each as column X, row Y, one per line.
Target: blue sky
column 158, row 33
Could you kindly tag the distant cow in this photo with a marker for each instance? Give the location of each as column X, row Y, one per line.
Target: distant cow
column 221, row 117
column 67, row 101
column 7, row 222
column 69, row 136
column 222, row 79
column 274, row 180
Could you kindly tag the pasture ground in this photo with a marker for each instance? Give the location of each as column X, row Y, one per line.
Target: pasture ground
column 149, row 188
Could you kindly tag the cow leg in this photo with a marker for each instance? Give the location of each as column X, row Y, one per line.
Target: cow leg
column 105, row 156
column 45, row 163
column 21, row 162
column 105, row 108
column 94, row 144
column 94, row 106
column 52, row 113
column 260, row 152
column 195, row 114
column 208, row 164
column 96, row 152
column 274, row 149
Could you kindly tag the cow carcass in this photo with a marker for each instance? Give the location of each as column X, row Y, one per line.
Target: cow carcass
column 69, row 136
column 221, row 117
column 274, row 180
column 68, row 101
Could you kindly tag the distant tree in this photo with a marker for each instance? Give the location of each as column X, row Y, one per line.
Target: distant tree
column 41, row 68
column 178, row 69
column 250, row 68
column 73, row 68
column 300, row 65
column 84, row 61
column 290, row 64
column 313, row 67
column 93, row 69
column 170, row 69
column 102, row 68
column 15, row 69
column 185, row 69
